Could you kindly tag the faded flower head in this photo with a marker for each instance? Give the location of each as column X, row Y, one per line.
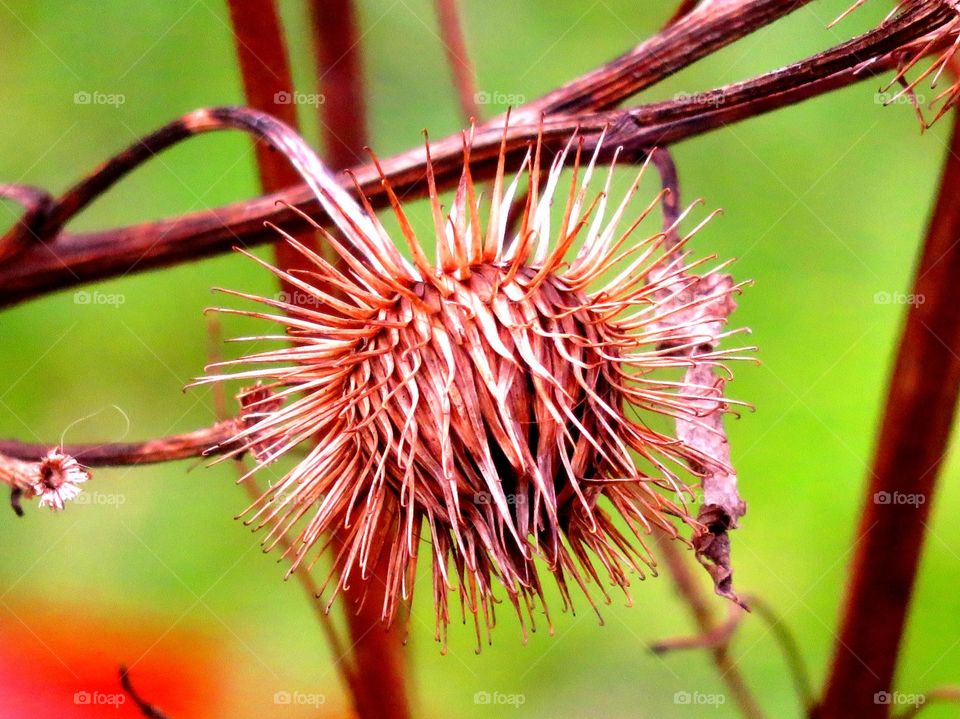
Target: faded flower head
column 507, row 406
column 57, row 479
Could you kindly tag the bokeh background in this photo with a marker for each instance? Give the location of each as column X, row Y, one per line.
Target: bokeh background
column 824, row 207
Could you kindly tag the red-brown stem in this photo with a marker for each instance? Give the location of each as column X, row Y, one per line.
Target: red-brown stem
column 343, row 114
column 268, row 86
column 379, row 653
column 265, row 69
column 378, row 650
column 458, row 59
column 920, row 409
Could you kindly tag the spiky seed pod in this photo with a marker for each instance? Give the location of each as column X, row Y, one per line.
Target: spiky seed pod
column 504, row 397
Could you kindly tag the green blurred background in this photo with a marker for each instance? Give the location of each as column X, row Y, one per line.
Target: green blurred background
column 824, row 206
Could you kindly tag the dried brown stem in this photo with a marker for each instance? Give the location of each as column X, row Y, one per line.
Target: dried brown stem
column 67, row 259
column 670, row 203
column 677, row 46
column 920, row 408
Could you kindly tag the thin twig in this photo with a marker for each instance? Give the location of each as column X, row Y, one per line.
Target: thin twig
column 458, row 59
column 719, row 635
column 920, row 408
column 789, row 647
column 670, row 203
column 934, row 696
column 696, row 600
column 716, row 637
column 146, row 709
column 677, row 46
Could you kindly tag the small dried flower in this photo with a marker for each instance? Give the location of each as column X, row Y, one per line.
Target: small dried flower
column 513, row 399
column 58, row 477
